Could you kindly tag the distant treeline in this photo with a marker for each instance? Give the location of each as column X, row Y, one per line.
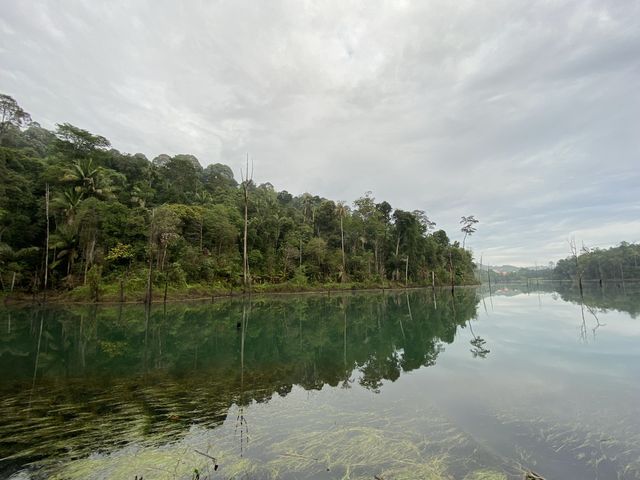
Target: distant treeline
column 616, row 263
column 520, row 275
column 109, row 217
column 612, row 264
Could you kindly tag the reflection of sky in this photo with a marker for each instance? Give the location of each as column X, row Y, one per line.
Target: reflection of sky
column 541, row 376
column 540, row 373
column 540, row 331
column 537, row 342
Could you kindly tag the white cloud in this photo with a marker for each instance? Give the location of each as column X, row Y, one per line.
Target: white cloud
column 524, row 114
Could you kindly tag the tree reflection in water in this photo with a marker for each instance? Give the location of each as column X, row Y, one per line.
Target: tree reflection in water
column 101, row 376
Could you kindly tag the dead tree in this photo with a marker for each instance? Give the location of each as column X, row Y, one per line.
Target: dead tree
column 46, row 254
column 574, row 254
column 246, row 181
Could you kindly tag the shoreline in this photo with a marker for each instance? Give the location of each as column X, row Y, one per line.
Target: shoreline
column 183, row 296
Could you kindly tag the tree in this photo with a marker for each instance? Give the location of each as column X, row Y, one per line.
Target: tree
column 11, row 114
column 341, row 211
column 205, row 226
column 91, row 180
column 68, row 201
column 467, row 227
column 246, row 182
column 178, row 178
column 166, row 224
column 74, row 142
column 121, row 256
column 65, row 242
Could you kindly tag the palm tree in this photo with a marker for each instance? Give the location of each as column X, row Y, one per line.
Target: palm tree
column 65, row 241
column 203, row 198
column 140, row 193
column 279, row 222
column 91, row 180
column 68, row 201
column 83, row 171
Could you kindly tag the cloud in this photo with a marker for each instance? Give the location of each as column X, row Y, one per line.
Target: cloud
column 523, row 114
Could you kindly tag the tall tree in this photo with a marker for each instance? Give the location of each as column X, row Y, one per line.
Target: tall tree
column 246, row 181
column 468, row 227
column 74, row 142
column 341, row 211
column 11, row 115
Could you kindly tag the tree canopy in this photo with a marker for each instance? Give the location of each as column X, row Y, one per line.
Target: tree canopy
column 125, row 215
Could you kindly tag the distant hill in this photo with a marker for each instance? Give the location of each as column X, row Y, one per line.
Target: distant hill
column 500, row 268
column 511, row 273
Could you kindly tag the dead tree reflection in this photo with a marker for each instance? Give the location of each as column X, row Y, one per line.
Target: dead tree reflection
column 241, row 421
column 478, row 343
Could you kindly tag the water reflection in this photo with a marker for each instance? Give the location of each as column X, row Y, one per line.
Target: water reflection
column 94, row 378
column 328, row 387
column 603, row 297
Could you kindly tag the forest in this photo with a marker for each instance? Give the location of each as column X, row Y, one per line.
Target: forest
column 79, row 218
column 616, row 263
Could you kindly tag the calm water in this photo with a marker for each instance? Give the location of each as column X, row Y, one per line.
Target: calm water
column 371, row 385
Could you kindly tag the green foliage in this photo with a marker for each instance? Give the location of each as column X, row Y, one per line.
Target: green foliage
column 93, row 281
column 153, row 375
column 124, row 214
column 11, row 114
column 616, row 263
column 119, row 253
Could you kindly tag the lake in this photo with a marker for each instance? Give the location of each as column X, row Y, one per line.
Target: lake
column 389, row 385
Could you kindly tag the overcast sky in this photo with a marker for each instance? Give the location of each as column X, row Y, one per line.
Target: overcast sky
column 524, row 114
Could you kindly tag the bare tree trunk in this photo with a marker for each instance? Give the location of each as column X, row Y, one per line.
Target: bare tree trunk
column 344, row 262
column 285, row 265
column 574, row 252
column 313, row 221
column 451, row 272
column 375, row 256
column 89, row 258
column 148, row 296
column 46, row 255
column 164, row 255
column 396, row 274
column 406, row 272
column 245, row 257
column 86, row 265
column 166, row 284
column 244, row 248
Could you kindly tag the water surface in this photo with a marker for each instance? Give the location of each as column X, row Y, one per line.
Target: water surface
column 394, row 385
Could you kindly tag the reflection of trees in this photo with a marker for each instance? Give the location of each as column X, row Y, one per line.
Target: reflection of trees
column 479, row 345
column 308, row 341
column 149, row 375
column 611, row 296
column 596, row 298
column 241, row 421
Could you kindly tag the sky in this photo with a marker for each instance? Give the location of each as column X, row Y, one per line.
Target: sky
column 524, row 114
